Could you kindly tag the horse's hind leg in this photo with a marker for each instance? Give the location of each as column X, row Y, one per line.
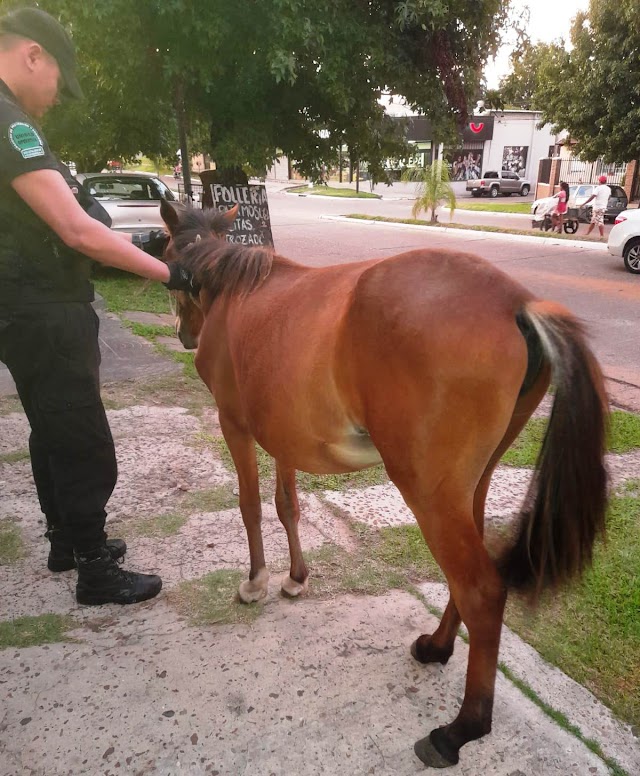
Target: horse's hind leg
column 479, row 594
column 243, row 451
column 289, row 514
column 438, row 647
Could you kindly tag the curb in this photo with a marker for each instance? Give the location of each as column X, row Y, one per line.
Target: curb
column 489, row 213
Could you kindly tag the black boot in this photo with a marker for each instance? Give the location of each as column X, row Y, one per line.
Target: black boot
column 61, row 556
column 102, row 581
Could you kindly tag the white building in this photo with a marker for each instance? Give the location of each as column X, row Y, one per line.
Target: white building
column 495, row 140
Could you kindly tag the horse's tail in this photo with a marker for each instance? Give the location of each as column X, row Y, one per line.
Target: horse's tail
column 564, row 510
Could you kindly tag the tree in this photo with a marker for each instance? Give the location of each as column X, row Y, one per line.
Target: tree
column 433, row 189
column 594, row 91
column 519, row 88
column 270, row 76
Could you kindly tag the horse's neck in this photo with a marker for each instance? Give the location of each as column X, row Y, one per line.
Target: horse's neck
column 282, row 262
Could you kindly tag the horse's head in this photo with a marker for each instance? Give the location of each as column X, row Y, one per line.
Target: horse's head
column 187, row 227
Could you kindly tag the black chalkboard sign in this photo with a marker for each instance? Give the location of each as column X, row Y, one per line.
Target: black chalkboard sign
column 253, row 224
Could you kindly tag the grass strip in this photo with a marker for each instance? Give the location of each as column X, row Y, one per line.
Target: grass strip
column 10, row 404
column 152, row 331
column 213, row 600
column 33, row 631
column 216, row 499
column 16, row 456
column 12, row 547
column 157, row 527
column 495, row 207
column 560, row 719
column 331, row 191
column 468, row 227
column 623, row 436
column 172, row 390
column 591, row 631
column 123, row 291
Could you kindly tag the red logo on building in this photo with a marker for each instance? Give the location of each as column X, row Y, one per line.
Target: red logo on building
column 476, row 128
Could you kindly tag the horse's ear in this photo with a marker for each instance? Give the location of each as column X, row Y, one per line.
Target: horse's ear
column 169, row 212
column 230, row 216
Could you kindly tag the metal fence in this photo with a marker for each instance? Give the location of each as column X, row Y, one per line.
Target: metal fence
column 574, row 171
column 197, row 189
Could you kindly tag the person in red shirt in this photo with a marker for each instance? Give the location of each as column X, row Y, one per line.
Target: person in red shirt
column 562, row 196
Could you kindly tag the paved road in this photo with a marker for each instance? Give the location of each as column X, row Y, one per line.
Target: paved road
column 581, row 275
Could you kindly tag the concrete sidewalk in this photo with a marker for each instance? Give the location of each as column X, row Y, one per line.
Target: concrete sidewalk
column 312, row 687
column 321, row 685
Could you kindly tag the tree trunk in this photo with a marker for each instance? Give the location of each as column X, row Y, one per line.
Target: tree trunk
column 181, row 117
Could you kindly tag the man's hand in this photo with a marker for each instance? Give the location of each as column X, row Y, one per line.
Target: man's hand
column 180, row 279
column 153, row 242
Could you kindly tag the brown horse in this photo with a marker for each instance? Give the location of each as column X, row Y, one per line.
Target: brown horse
column 431, row 362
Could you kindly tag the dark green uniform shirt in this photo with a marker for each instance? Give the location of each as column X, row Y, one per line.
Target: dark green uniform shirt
column 35, row 265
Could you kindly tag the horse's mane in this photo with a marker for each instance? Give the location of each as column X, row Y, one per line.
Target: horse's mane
column 220, row 267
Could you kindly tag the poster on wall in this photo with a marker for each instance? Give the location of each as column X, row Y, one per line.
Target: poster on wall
column 514, row 159
column 465, row 165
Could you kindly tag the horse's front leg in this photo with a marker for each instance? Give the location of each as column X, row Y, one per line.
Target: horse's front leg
column 289, row 514
column 243, row 451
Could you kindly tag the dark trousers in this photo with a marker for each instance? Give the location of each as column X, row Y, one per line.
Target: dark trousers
column 53, row 355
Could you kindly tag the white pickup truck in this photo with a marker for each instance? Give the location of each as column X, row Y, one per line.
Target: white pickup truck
column 494, row 183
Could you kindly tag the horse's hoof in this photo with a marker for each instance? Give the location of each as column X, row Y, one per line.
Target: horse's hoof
column 292, row 589
column 252, row 590
column 424, row 651
column 430, row 756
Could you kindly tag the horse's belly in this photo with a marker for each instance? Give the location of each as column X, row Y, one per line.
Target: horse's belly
column 354, row 451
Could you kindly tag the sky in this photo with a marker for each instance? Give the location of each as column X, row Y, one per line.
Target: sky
column 548, row 20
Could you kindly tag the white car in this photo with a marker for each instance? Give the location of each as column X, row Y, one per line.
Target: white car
column 579, row 194
column 624, row 239
column 131, row 199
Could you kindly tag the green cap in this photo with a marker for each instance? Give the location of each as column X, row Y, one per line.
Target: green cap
column 37, row 25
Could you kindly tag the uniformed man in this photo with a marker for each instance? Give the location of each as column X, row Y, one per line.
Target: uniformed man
column 48, row 329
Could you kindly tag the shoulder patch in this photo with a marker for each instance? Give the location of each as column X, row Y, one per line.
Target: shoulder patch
column 26, row 140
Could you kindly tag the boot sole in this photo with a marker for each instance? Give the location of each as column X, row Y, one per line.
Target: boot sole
column 87, row 598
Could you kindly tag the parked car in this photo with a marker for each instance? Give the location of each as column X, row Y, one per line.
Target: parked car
column 494, row 183
column 131, row 199
column 579, row 194
column 624, row 239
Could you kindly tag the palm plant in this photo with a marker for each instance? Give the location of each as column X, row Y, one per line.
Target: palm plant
column 433, row 188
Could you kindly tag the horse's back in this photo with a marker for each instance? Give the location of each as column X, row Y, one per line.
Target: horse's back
column 442, row 283
column 434, row 296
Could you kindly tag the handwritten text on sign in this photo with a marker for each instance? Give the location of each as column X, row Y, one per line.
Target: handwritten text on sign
column 253, row 224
